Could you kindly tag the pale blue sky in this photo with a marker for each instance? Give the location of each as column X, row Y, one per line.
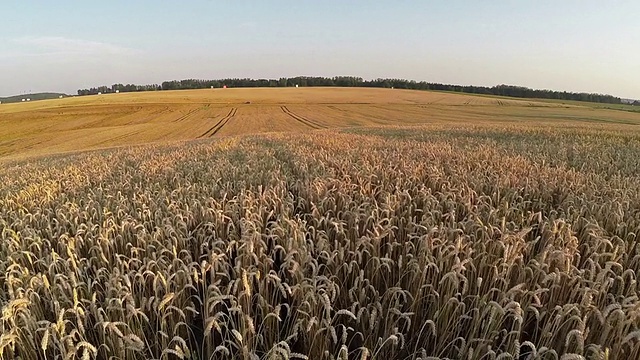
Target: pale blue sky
column 574, row 45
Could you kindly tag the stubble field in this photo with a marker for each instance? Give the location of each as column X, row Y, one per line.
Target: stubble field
column 102, row 121
column 370, row 226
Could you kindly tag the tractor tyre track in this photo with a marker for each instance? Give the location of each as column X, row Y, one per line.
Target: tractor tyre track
column 187, row 115
column 222, row 122
column 310, row 123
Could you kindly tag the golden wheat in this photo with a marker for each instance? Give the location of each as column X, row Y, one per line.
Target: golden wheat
column 495, row 241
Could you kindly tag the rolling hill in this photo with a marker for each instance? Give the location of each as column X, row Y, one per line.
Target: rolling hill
column 33, row 97
column 102, row 121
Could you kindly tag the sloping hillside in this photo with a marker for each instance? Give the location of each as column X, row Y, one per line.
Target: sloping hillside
column 33, row 97
column 93, row 122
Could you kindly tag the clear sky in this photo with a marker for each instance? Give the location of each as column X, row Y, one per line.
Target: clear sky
column 574, row 45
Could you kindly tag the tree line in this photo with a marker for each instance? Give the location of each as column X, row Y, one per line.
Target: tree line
column 118, row 88
column 352, row 81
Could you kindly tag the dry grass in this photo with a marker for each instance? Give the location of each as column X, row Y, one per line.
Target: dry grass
column 449, row 240
column 94, row 122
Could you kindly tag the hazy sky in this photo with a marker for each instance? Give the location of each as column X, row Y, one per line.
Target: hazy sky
column 575, row 45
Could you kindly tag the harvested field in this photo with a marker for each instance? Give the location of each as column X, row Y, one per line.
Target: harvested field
column 94, row 122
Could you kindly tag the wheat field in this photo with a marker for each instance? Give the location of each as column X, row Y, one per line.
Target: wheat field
column 487, row 232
